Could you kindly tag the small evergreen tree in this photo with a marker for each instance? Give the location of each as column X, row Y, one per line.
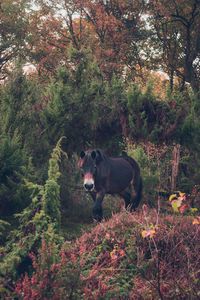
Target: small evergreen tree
column 78, row 106
column 13, row 193
column 51, row 196
column 152, row 119
column 20, row 107
column 40, row 220
column 171, row 122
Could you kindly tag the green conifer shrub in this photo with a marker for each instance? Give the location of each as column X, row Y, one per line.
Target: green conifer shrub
column 167, row 122
column 152, row 119
column 20, row 107
column 13, row 192
column 40, row 219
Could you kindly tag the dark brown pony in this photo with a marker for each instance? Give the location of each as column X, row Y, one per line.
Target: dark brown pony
column 107, row 175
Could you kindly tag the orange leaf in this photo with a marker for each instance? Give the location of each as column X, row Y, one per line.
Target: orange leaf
column 182, row 208
column 121, row 252
column 196, row 221
column 107, row 235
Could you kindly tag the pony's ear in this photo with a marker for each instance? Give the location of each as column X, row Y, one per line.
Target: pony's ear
column 93, row 154
column 98, row 156
column 82, row 154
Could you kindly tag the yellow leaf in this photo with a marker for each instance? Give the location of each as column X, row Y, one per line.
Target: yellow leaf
column 149, row 232
column 152, row 232
column 176, row 204
column 172, row 197
column 180, row 193
column 193, row 210
column 112, row 253
column 144, row 233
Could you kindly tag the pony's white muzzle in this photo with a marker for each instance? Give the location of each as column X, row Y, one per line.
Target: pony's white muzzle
column 88, row 182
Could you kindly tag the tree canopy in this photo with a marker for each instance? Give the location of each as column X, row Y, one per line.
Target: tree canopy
column 13, row 31
column 127, row 38
column 177, row 33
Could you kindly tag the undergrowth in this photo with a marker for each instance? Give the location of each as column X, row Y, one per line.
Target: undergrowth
column 117, row 261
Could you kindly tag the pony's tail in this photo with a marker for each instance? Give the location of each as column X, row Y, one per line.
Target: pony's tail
column 138, row 186
column 139, row 194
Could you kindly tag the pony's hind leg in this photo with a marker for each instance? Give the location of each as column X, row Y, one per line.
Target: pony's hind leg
column 127, row 197
column 135, row 194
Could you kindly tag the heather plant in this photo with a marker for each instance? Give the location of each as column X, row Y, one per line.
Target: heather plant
column 55, row 276
column 116, row 260
column 40, row 286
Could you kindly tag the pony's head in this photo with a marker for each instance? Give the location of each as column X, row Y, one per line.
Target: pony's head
column 88, row 162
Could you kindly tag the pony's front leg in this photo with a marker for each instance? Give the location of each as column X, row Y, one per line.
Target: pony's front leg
column 97, row 210
column 93, row 195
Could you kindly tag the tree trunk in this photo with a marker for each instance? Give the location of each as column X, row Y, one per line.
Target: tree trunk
column 175, row 165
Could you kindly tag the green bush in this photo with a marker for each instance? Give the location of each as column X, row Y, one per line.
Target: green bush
column 41, row 218
column 13, row 192
column 155, row 120
column 149, row 171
